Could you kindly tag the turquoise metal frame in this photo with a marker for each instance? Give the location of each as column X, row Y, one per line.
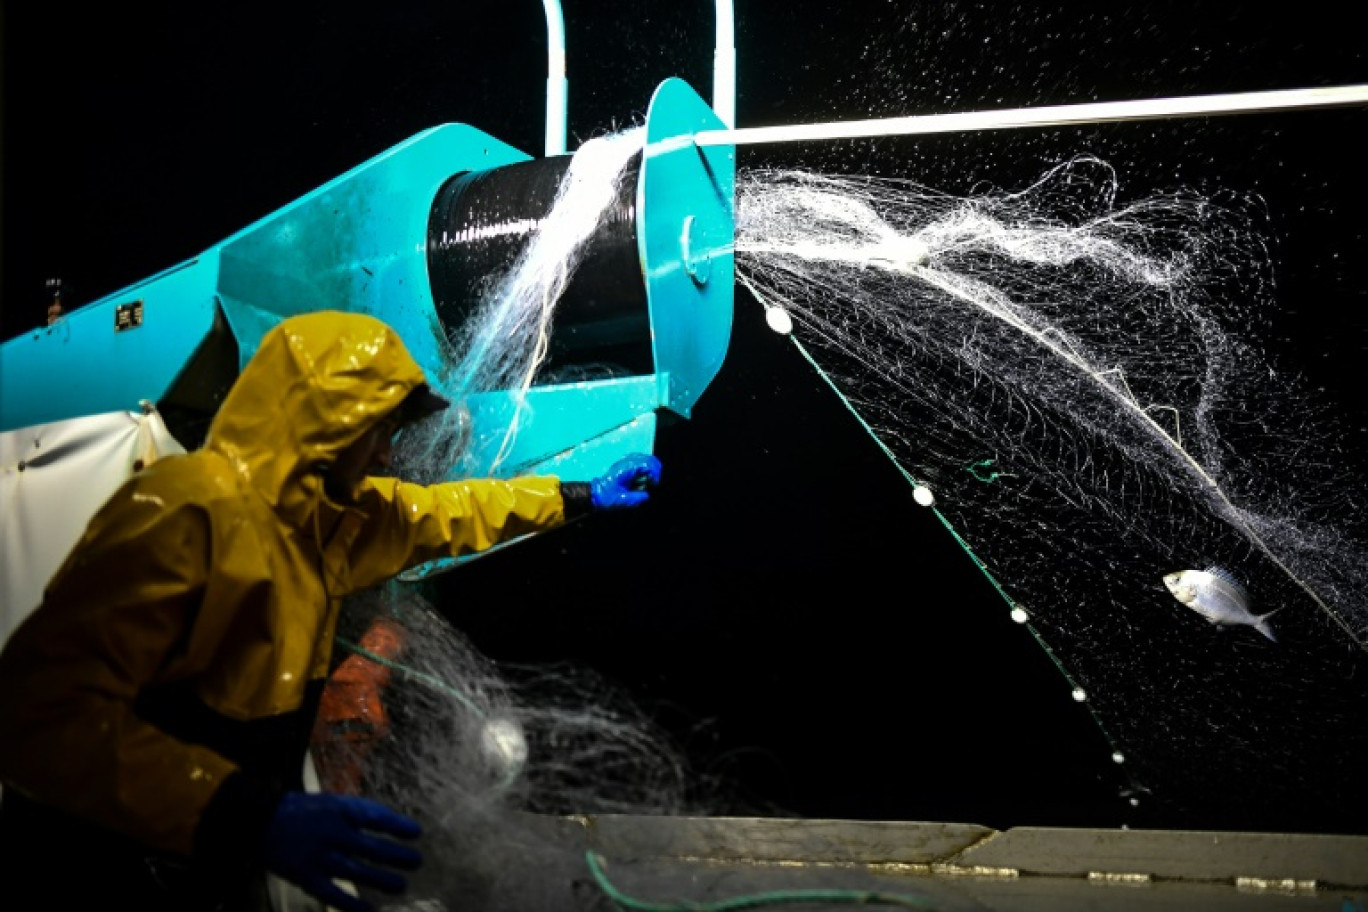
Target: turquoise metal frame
column 686, row 237
column 359, row 243
column 685, row 206
column 84, row 364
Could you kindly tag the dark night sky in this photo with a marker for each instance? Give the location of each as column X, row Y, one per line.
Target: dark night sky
column 824, row 643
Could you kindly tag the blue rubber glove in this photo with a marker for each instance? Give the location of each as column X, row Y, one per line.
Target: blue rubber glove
column 315, row 838
column 626, row 483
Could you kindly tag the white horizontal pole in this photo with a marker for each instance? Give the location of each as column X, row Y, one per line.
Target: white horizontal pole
column 1048, row 116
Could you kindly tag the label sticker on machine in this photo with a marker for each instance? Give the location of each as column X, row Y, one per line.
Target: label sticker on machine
column 128, row 316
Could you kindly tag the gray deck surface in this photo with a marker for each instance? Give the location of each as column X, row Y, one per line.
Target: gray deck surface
column 661, row 863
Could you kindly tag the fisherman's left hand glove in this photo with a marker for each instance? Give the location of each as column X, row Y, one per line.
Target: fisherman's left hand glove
column 316, row 838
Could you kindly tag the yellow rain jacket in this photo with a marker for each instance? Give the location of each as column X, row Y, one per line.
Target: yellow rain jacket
column 165, row 688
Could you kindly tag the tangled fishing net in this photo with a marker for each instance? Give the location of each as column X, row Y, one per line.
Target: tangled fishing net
column 1083, row 387
column 487, row 756
column 1108, row 354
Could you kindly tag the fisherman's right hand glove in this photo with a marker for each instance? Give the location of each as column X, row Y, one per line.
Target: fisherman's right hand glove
column 626, row 483
column 316, row 838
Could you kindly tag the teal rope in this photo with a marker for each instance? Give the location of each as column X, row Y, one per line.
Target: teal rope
column 856, row 897
column 436, row 684
column 983, row 471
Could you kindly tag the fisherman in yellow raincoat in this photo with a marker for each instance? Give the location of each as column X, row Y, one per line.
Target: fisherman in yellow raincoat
column 156, row 709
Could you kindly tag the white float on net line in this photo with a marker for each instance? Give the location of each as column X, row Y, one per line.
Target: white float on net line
column 779, row 320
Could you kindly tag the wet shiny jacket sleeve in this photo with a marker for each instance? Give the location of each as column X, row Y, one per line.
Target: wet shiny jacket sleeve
column 114, row 617
column 408, row 524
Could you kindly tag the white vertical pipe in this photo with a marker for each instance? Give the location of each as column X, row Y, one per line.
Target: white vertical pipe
column 556, row 84
column 724, row 65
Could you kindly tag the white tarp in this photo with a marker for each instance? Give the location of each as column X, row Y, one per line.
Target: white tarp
column 53, row 477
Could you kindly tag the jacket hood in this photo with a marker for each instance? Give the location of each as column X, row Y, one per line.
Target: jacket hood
column 317, row 382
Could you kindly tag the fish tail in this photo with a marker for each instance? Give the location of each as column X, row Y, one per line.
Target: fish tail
column 1262, row 626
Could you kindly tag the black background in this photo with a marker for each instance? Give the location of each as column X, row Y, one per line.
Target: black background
column 781, row 605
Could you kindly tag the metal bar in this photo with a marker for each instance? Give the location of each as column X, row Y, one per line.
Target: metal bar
column 1049, row 116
